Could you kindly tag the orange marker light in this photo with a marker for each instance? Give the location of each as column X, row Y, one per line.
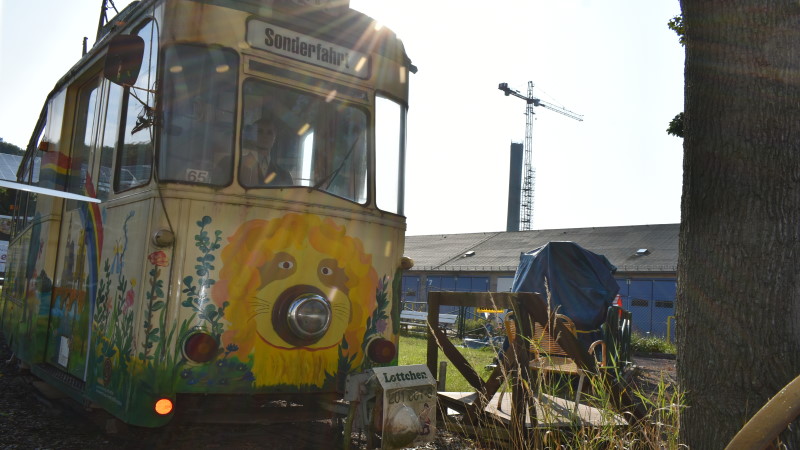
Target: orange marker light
column 164, row 406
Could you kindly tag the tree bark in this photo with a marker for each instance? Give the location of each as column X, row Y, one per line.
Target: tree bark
column 738, row 271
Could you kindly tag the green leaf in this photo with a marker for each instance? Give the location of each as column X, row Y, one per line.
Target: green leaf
column 676, row 125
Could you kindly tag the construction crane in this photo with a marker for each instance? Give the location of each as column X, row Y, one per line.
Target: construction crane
column 528, row 176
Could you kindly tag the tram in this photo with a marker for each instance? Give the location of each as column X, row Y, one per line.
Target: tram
column 232, row 224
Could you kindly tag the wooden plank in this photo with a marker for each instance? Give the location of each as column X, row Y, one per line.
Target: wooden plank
column 459, row 362
column 552, row 412
column 488, row 300
column 492, row 384
column 433, row 348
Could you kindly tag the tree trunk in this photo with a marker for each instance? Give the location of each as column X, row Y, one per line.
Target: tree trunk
column 738, row 270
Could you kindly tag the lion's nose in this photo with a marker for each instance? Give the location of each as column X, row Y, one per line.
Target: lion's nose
column 302, row 315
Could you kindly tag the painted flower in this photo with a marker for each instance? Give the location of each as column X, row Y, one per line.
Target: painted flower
column 128, row 300
column 186, row 373
column 158, row 258
column 381, row 325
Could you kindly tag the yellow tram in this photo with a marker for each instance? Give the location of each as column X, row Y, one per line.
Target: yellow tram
column 239, row 228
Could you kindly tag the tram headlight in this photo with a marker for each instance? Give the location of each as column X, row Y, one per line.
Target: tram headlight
column 309, row 317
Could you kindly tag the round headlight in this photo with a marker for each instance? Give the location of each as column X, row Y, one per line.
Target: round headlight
column 200, row 347
column 309, row 317
column 381, row 350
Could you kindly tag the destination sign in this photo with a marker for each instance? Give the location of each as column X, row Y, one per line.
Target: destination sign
column 288, row 43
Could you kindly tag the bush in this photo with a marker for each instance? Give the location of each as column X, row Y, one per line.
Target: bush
column 651, row 344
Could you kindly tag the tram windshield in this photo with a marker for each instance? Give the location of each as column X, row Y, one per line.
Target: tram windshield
column 197, row 137
column 291, row 138
column 288, row 137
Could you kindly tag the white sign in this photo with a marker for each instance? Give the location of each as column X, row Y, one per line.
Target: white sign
column 409, row 405
column 63, row 351
column 300, row 47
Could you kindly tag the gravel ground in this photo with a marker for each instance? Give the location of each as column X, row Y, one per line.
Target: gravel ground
column 28, row 421
column 654, row 370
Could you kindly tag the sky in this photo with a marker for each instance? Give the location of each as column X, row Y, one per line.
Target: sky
column 614, row 61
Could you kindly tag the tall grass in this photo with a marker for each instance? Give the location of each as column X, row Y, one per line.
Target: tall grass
column 657, row 429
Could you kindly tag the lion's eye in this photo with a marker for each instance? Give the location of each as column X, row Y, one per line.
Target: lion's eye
column 285, row 265
column 326, row 270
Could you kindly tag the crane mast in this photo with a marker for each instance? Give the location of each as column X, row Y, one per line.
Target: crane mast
column 529, row 174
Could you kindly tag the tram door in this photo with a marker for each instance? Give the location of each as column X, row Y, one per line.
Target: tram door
column 80, row 240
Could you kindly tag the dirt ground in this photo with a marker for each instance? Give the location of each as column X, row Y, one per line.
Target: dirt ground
column 28, row 421
column 651, row 370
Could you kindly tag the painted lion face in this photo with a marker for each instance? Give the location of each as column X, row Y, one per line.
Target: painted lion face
column 299, row 292
column 303, row 301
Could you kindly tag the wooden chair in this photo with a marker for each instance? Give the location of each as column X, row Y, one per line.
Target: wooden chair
column 548, row 356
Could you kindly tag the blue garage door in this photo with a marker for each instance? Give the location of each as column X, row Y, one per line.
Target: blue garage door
column 652, row 304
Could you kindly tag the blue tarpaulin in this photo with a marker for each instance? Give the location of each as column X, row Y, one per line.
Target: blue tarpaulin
column 581, row 283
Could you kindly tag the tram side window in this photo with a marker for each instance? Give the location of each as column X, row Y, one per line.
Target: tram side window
column 39, row 166
column 197, row 138
column 135, row 159
column 108, row 140
column 291, row 138
column 389, row 134
column 81, row 156
column 26, row 201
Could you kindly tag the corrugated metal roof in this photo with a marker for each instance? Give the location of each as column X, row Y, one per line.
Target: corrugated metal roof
column 500, row 251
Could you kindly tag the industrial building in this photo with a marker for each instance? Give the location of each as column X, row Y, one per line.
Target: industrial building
column 646, row 257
